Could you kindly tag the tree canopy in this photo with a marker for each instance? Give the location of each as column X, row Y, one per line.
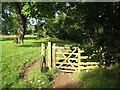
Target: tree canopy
column 94, row 26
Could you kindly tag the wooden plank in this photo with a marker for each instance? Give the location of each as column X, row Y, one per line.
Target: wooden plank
column 81, row 63
column 65, row 58
column 67, row 53
column 49, row 54
column 57, row 47
column 67, row 71
column 65, row 67
column 88, row 67
column 76, row 64
column 79, row 59
column 53, row 56
column 81, row 51
column 88, row 63
column 66, row 47
column 67, row 63
column 43, row 49
column 83, row 57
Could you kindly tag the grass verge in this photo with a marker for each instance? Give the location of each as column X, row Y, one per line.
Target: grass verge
column 17, row 57
column 99, row 78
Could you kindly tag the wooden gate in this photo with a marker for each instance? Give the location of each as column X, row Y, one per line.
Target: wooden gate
column 65, row 59
column 68, row 59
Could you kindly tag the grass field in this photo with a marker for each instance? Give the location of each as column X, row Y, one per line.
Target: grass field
column 17, row 57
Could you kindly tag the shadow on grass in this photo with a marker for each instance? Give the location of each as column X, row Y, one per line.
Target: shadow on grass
column 37, row 42
column 29, row 45
column 13, row 38
column 6, row 39
column 57, row 41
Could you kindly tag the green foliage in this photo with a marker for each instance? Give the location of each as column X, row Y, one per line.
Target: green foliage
column 99, row 78
column 75, row 24
column 9, row 20
column 26, row 7
column 92, row 25
column 38, row 9
column 51, row 73
column 90, row 28
column 116, row 67
column 45, row 82
column 41, row 82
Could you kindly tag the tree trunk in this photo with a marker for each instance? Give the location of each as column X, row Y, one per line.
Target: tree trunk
column 22, row 28
column 22, row 23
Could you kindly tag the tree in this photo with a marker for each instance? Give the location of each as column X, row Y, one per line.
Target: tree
column 14, row 16
column 94, row 26
column 22, row 21
column 9, row 21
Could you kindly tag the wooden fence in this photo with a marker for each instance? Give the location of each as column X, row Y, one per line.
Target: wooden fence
column 67, row 59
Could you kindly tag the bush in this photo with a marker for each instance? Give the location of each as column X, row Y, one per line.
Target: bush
column 99, row 78
column 115, row 67
column 51, row 73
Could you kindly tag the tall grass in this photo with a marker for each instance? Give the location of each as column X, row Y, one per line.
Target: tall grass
column 99, row 78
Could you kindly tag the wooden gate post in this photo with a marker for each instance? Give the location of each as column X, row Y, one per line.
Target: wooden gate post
column 49, row 54
column 53, row 55
column 79, row 59
column 43, row 62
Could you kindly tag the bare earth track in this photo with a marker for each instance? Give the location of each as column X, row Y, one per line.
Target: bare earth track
column 63, row 80
column 28, row 69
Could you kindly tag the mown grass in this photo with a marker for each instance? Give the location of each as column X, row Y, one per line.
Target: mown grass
column 100, row 78
column 17, row 57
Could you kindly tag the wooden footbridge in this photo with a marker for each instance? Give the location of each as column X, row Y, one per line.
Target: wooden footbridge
column 67, row 59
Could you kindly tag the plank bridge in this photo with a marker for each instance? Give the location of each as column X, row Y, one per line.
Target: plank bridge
column 67, row 59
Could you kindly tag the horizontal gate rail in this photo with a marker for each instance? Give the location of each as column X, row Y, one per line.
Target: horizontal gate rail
column 89, row 63
column 66, row 53
column 68, row 67
column 67, row 63
column 65, row 58
column 70, row 71
column 88, row 67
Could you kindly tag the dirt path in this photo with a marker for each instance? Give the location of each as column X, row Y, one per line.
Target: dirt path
column 65, row 81
column 37, row 64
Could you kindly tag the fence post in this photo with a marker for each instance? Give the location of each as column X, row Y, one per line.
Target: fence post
column 49, row 54
column 43, row 62
column 53, row 55
column 79, row 60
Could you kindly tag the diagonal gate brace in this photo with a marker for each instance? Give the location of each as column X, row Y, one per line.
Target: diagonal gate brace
column 66, row 58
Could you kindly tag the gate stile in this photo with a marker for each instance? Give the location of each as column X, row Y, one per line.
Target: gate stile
column 68, row 59
column 53, row 55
